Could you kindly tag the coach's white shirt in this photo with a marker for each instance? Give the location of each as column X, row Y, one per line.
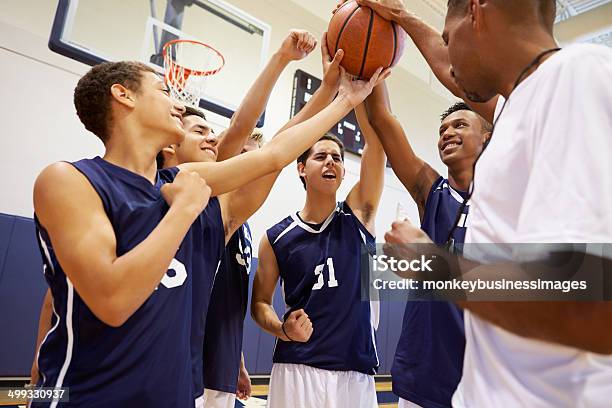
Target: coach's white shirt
column 545, row 177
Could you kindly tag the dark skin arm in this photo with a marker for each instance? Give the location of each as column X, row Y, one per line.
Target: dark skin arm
column 582, row 325
column 414, row 173
column 431, row 45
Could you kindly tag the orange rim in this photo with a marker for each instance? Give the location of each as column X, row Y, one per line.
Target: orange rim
column 188, row 71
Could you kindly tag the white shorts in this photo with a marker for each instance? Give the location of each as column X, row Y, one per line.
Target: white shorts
column 407, row 404
column 215, row 399
column 302, row 386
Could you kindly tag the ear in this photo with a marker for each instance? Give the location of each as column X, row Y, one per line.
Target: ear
column 122, row 95
column 486, row 137
column 169, row 153
column 475, row 12
column 300, row 169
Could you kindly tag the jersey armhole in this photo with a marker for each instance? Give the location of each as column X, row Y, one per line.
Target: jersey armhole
column 100, row 192
column 433, row 188
column 369, row 237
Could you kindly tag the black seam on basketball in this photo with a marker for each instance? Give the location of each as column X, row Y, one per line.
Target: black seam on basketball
column 365, row 51
column 343, row 27
column 394, row 44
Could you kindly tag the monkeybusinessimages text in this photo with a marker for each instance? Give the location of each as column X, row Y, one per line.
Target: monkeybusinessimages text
column 424, row 264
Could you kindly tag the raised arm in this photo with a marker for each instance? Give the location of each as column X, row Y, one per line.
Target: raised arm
column 431, row 45
column 83, row 239
column 298, row 326
column 414, row 173
column 364, row 197
column 233, row 173
column 296, row 46
column 238, row 205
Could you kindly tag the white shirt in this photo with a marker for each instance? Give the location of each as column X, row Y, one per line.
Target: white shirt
column 546, row 176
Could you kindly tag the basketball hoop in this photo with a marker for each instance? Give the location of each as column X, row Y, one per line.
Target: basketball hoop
column 187, row 65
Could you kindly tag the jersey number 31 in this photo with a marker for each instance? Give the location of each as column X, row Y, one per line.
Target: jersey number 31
column 332, row 282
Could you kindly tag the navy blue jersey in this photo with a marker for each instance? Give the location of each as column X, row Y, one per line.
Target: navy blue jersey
column 225, row 321
column 320, row 271
column 429, row 356
column 209, row 247
column 145, row 361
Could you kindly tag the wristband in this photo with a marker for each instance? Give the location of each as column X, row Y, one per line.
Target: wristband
column 284, row 332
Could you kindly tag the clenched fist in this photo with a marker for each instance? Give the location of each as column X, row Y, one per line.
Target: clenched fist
column 188, row 191
column 297, row 45
column 297, row 326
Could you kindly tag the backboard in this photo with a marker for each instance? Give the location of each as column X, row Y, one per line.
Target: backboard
column 347, row 130
column 94, row 31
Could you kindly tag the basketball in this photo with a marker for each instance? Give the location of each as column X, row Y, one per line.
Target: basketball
column 368, row 40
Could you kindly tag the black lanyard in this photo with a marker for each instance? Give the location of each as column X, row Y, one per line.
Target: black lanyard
column 535, row 62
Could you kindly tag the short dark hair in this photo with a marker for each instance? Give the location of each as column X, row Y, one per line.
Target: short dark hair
column 92, row 95
column 547, row 9
column 191, row 111
column 459, row 106
column 454, row 5
column 304, row 156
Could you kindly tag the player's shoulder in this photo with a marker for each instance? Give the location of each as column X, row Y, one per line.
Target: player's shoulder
column 59, row 176
column 277, row 229
column 587, row 58
column 57, row 185
column 439, row 185
column 584, row 52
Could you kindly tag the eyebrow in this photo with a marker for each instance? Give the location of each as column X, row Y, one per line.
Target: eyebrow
column 202, row 127
column 445, row 126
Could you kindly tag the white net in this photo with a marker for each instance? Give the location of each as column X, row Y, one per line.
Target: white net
column 187, row 66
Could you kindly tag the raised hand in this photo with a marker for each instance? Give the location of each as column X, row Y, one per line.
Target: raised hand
column 297, row 326
column 331, row 67
column 188, row 191
column 356, row 90
column 388, row 9
column 297, row 45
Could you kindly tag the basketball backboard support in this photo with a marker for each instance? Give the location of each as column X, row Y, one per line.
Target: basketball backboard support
column 93, row 31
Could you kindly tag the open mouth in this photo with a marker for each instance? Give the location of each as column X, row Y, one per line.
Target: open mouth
column 329, row 175
column 450, row 146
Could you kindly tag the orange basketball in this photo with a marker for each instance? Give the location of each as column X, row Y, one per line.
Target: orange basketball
column 368, row 40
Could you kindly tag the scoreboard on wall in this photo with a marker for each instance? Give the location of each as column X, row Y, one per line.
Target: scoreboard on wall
column 347, row 130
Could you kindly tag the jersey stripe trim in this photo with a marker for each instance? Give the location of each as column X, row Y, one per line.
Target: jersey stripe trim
column 454, row 193
column 308, row 228
column 215, row 277
column 70, row 342
column 57, row 322
column 373, row 333
column 289, row 228
column 46, row 249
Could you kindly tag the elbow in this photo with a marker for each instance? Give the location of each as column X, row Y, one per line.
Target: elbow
column 112, row 313
column 113, row 317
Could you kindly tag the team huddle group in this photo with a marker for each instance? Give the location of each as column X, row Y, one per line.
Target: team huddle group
column 147, row 250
